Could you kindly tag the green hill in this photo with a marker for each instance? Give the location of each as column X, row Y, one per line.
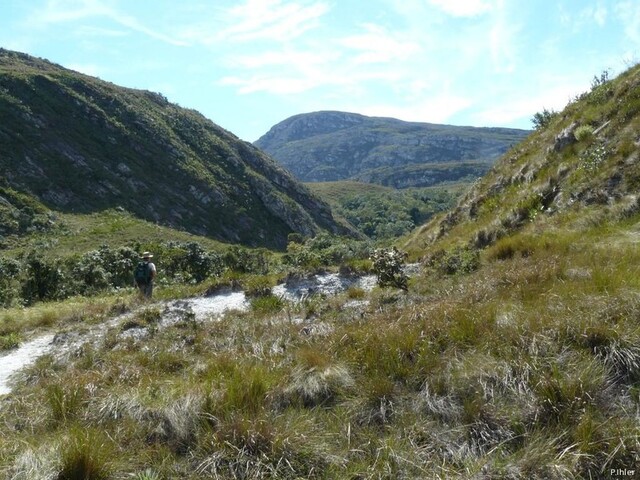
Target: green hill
column 514, row 353
column 78, row 144
column 385, row 213
column 583, row 163
column 330, row 146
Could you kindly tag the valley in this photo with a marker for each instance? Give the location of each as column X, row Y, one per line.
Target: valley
column 506, row 344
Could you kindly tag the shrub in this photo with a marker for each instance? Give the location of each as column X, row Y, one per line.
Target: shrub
column 595, row 156
column 387, row 265
column 9, row 273
column 301, row 256
column 257, row 286
column 542, row 119
column 45, row 279
column 241, row 260
column 583, row 132
column 456, row 260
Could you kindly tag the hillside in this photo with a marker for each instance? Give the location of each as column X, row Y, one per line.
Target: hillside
column 78, row 144
column 385, row 213
column 514, row 353
column 583, row 163
column 328, row 146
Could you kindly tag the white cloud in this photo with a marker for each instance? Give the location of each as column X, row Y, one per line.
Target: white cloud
column 629, row 14
column 271, row 20
column 65, row 11
column 86, row 31
column 376, row 45
column 278, row 85
column 299, row 59
column 58, row 11
column 463, row 8
column 504, row 42
column 436, row 109
column 525, row 104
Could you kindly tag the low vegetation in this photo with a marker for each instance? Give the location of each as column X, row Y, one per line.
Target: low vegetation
column 525, row 366
column 383, row 213
column 512, row 351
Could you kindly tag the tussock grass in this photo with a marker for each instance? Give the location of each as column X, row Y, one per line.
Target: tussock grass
column 86, row 454
column 316, row 380
column 524, row 368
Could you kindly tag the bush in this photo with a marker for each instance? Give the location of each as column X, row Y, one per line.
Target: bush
column 387, row 265
column 542, row 119
column 456, row 260
column 583, row 132
column 45, row 279
column 9, row 274
column 242, row 260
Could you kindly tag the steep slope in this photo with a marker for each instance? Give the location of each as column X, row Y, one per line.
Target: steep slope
column 583, row 163
column 80, row 144
column 520, row 360
column 328, row 146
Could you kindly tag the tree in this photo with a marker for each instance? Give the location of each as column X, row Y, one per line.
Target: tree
column 388, row 266
column 542, row 119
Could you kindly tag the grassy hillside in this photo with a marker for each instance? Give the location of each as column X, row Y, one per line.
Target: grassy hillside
column 514, row 354
column 585, row 158
column 384, row 213
column 331, row 146
column 82, row 145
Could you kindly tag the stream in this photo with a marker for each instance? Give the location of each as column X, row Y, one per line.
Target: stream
column 203, row 308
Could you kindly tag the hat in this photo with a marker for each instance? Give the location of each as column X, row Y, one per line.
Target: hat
column 147, row 255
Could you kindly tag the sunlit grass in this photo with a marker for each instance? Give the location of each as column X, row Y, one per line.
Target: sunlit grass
column 527, row 365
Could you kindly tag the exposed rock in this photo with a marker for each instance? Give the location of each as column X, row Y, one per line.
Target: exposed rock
column 565, row 138
column 107, row 146
column 327, row 146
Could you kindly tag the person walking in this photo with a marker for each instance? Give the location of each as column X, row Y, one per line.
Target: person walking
column 144, row 275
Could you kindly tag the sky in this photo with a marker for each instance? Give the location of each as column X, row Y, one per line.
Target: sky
column 249, row 64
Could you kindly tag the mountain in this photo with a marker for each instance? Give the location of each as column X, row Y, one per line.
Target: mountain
column 79, row 144
column 328, row 146
column 513, row 353
column 580, row 166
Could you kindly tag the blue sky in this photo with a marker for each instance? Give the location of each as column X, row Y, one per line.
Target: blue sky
column 248, row 64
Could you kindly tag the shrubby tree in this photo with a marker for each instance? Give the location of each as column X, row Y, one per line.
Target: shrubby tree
column 242, row 260
column 388, row 265
column 45, row 279
column 542, row 119
column 103, row 268
column 9, row 281
column 456, row 260
column 200, row 264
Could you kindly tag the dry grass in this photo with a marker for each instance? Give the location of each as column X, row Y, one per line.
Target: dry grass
column 525, row 368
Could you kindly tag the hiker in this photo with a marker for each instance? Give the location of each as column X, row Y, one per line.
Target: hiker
column 144, row 275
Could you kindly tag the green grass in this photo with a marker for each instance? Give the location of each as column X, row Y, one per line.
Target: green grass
column 82, row 233
column 526, row 366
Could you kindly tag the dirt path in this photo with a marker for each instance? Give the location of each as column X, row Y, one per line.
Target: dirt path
column 202, row 308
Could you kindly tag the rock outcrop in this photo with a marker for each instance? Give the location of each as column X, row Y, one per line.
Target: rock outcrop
column 327, row 146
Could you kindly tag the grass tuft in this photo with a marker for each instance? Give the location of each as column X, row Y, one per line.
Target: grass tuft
column 85, row 455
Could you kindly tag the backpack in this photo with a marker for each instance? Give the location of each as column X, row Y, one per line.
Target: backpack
column 142, row 274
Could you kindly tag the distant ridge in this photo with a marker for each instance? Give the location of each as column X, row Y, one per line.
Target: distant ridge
column 79, row 144
column 330, row 145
